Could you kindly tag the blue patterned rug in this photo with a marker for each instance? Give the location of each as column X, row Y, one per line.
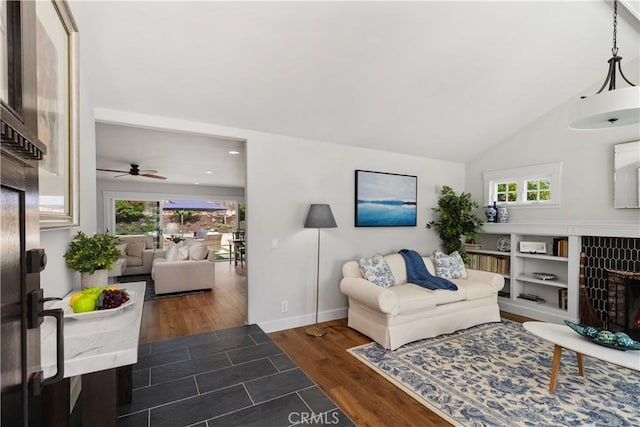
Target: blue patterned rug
column 497, row 374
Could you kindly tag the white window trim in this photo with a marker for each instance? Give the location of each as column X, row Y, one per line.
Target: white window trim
column 520, row 174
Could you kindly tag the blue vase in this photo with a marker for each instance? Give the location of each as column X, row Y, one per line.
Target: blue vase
column 491, row 213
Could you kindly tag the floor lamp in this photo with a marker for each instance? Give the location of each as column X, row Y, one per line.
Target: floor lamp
column 319, row 216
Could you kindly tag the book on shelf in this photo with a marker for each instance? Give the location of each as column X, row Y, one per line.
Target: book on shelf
column 561, row 247
column 562, row 298
column 492, row 263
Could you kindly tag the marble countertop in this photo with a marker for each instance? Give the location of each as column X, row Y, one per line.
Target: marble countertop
column 92, row 345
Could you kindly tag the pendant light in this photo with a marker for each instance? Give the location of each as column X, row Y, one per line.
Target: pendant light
column 613, row 107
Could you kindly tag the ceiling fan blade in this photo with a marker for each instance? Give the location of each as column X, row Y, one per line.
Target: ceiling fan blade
column 124, row 174
column 143, row 171
column 111, row 170
column 148, row 175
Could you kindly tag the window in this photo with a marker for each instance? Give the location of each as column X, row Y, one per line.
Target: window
column 537, row 185
column 507, row 191
column 538, row 190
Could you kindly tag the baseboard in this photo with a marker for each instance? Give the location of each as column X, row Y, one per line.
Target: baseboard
column 303, row 320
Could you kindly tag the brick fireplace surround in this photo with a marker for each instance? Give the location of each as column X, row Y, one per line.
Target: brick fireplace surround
column 603, row 254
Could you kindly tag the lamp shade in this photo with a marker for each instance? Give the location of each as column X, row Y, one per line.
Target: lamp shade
column 608, row 109
column 320, row 216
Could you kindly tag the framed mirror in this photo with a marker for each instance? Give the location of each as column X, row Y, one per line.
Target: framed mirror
column 627, row 175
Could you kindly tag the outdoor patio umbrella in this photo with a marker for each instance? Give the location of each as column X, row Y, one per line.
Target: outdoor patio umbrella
column 190, row 205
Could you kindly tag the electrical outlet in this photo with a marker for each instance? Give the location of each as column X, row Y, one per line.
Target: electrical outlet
column 284, row 306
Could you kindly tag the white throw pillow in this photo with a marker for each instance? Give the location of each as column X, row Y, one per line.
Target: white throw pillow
column 183, row 253
column 172, row 252
column 190, row 242
column 198, row 252
column 449, row 266
column 377, row 271
column 135, row 249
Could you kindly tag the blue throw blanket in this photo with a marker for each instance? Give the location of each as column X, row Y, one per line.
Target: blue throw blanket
column 417, row 272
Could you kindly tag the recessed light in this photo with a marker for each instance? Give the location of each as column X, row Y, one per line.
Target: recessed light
column 196, row 183
column 234, row 152
column 208, row 172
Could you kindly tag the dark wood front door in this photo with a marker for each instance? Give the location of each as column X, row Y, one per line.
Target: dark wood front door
column 20, row 348
column 13, row 342
column 20, row 152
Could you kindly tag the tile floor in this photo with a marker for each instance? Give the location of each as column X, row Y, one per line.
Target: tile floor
column 235, row 376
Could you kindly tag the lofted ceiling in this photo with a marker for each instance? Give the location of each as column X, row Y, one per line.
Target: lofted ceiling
column 440, row 79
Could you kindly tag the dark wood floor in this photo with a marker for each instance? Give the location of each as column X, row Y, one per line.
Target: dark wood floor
column 364, row 396
column 224, row 307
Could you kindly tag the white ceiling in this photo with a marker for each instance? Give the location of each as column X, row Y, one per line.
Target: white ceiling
column 181, row 158
column 440, row 79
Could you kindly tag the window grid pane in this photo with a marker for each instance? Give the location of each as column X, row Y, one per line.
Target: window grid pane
column 507, row 192
column 538, row 190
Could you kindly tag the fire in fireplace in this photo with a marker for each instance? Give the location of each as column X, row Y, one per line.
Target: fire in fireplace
column 623, row 301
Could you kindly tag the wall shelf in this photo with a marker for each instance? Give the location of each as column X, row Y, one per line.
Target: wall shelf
column 488, row 252
column 521, row 280
column 532, row 279
column 545, row 257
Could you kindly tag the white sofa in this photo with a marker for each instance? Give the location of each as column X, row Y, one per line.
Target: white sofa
column 175, row 275
column 407, row 312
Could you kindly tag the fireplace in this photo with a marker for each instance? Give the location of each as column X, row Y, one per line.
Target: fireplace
column 624, row 302
column 604, row 254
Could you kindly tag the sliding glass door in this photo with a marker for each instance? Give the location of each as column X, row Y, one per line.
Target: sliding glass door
column 138, row 217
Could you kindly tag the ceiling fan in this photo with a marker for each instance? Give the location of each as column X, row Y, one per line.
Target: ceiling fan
column 135, row 171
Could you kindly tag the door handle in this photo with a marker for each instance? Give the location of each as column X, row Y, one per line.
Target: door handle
column 58, row 314
column 35, row 314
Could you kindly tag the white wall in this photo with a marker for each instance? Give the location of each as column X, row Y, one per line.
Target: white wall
column 162, row 191
column 284, row 176
column 587, row 173
column 57, row 279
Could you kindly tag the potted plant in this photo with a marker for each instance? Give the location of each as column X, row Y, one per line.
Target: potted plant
column 92, row 256
column 457, row 220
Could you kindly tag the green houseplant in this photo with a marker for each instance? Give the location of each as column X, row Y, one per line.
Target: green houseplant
column 457, row 220
column 92, row 256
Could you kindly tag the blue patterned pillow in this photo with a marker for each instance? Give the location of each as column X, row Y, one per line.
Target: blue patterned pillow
column 376, row 270
column 449, row 266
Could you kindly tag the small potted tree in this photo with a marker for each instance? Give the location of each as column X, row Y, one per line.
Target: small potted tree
column 92, row 256
column 457, row 220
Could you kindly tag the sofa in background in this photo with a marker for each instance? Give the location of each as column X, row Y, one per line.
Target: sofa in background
column 211, row 239
column 138, row 253
column 406, row 312
column 186, row 266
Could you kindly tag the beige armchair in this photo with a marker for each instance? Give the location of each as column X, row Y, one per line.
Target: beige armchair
column 138, row 253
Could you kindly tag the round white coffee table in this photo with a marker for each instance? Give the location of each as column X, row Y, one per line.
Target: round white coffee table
column 564, row 337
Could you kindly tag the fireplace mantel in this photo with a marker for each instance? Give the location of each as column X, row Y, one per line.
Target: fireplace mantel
column 567, row 228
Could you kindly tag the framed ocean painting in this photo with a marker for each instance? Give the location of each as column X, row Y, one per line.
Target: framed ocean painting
column 385, row 199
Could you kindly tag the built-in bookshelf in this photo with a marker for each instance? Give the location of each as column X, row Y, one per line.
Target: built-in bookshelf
column 488, row 262
column 493, row 260
column 541, row 285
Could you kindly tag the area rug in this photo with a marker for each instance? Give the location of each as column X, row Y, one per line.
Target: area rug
column 497, row 374
column 150, row 291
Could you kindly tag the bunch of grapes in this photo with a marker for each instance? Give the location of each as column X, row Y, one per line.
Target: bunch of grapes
column 111, row 299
